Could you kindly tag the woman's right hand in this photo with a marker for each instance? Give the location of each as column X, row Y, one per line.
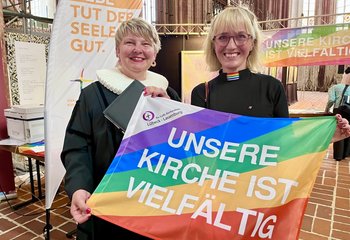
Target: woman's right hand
column 155, row 92
column 79, row 210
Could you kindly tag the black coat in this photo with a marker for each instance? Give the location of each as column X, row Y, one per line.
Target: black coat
column 90, row 145
column 255, row 95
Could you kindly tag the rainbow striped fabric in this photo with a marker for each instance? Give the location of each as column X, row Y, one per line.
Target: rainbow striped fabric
column 36, row 148
column 232, row 76
column 307, row 46
column 184, row 172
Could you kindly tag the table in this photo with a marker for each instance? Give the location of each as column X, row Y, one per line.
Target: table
column 39, row 160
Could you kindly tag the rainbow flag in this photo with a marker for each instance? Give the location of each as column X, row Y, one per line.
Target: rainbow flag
column 184, row 172
column 307, row 46
column 36, row 148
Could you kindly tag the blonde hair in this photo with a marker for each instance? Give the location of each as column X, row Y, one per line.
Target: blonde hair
column 229, row 20
column 138, row 27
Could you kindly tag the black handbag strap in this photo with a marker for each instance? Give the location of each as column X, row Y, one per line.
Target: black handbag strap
column 342, row 95
column 206, row 94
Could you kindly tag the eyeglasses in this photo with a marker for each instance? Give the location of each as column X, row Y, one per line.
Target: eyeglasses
column 240, row 39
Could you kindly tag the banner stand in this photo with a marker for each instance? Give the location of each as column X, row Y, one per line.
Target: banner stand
column 48, row 226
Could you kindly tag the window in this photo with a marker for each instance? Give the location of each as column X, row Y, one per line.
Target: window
column 149, row 11
column 43, row 8
column 308, row 10
column 343, row 6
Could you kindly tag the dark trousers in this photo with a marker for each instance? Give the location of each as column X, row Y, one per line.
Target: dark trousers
column 97, row 229
column 341, row 149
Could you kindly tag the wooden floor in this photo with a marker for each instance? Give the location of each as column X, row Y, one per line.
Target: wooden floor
column 327, row 215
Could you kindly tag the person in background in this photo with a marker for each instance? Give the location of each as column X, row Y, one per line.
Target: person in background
column 232, row 46
column 341, row 149
column 91, row 141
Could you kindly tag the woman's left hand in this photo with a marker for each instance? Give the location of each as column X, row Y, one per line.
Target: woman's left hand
column 343, row 129
column 155, row 92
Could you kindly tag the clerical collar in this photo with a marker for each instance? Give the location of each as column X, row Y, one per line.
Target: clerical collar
column 243, row 74
column 232, row 76
column 117, row 82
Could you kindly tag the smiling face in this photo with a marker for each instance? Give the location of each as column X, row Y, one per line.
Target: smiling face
column 136, row 54
column 233, row 23
column 233, row 57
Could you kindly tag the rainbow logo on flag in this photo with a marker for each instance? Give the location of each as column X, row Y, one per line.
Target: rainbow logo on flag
column 184, row 172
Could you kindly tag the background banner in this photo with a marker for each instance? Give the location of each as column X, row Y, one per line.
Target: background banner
column 314, row 45
column 184, row 172
column 82, row 41
column 193, row 64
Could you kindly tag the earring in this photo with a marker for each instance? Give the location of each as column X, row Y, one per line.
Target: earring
column 154, row 64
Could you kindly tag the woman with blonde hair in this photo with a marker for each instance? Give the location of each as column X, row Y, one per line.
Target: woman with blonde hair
column 91, row 140
column 232, row 46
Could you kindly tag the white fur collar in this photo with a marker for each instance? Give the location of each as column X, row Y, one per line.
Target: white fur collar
column 117, row 82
